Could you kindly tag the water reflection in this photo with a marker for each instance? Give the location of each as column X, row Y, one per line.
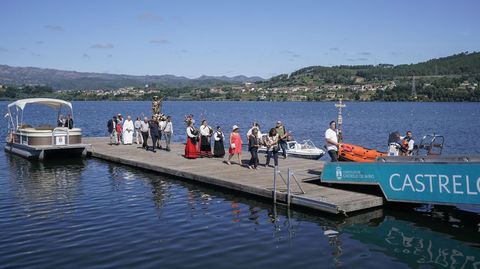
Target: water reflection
column 41, row 186
column 415, row 245
column 125, row 180
column 405, row 236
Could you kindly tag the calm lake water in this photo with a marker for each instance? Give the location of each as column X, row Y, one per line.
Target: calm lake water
column 94, row 214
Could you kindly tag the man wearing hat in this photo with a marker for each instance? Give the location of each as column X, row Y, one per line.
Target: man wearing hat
column 282, row 134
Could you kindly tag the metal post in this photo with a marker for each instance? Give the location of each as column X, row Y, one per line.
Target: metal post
column 275, row 185
column 288, row 187
column 340, row 105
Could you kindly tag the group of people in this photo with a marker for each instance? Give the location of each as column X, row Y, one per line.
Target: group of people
column 65, row 122
column 122, row 131
column 199, row 142
column 405, row 144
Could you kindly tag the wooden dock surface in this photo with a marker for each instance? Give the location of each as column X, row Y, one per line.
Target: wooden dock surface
column 239, row 178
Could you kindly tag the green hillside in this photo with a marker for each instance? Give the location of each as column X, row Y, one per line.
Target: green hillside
column 463, row 64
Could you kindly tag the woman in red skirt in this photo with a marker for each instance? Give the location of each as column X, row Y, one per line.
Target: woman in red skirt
column 191, row 151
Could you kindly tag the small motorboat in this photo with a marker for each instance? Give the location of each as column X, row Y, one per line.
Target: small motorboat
column 45, row 140
column 306, row 150
column 354, row 153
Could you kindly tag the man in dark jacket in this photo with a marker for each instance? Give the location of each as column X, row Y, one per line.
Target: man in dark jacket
column 153, row 125
column 69, row 122
column 111, row 130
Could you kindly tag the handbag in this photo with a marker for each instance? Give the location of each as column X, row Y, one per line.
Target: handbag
column 232, row 146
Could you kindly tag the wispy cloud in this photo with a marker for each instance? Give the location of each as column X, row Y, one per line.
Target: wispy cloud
column 335, row 49
column 361, row 59
column 55, row 28
column 159, row 41
column 3, row 49
column 109, row 56
column 365, row 53
column 102, row 46
column 85, row 56
column 148, row 16
column 35, row 54
column 395, row 53
column 291, row 53
column 39, row 42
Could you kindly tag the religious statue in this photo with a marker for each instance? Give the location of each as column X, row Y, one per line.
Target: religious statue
column 156, row 105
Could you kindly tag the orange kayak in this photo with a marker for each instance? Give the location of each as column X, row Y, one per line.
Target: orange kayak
column 354, row 153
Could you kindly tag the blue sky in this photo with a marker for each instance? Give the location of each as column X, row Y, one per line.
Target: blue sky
column 253, row 38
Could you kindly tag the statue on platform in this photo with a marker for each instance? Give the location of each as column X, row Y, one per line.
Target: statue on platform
column 156, row 105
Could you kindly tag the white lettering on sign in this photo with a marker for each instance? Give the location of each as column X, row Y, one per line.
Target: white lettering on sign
column 430, row 177
column 391, row 182
column 420, row 183
column 468, row 187
column 478, row 184
column 443, row 184
column 407, row 182
column 456, row 184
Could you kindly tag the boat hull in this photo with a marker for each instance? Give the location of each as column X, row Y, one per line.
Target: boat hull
column 290, row 153
column 314, row 156
column 47, row 152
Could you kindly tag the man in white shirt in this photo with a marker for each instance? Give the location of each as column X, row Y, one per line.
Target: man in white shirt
column 161, row 126
column 145, row 128
column 407, row 144
column 138, row 135
column 168, row 132
column 331, row 141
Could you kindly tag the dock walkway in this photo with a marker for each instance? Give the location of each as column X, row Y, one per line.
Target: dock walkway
column 239, row 178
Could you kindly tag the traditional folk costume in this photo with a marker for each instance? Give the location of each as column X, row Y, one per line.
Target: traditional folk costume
column 128, row 132
column 218, row 148
column 205, row 143
column 191, row 146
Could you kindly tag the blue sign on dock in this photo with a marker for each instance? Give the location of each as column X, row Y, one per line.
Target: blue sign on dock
column 413, row 182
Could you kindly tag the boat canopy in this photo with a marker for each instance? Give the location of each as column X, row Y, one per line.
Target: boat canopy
column 53, row 103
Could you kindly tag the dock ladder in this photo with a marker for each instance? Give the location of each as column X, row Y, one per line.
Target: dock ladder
column 290, row 176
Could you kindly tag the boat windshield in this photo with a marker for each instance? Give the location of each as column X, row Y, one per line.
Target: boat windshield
column 308, row 144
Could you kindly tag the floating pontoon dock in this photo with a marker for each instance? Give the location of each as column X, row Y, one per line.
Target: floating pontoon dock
column 239, row 178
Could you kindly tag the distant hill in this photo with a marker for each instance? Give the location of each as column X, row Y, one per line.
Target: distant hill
column 465, row 64
column 71, row 80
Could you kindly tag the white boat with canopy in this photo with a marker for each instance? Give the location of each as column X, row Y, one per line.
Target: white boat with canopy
column 45, row 140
